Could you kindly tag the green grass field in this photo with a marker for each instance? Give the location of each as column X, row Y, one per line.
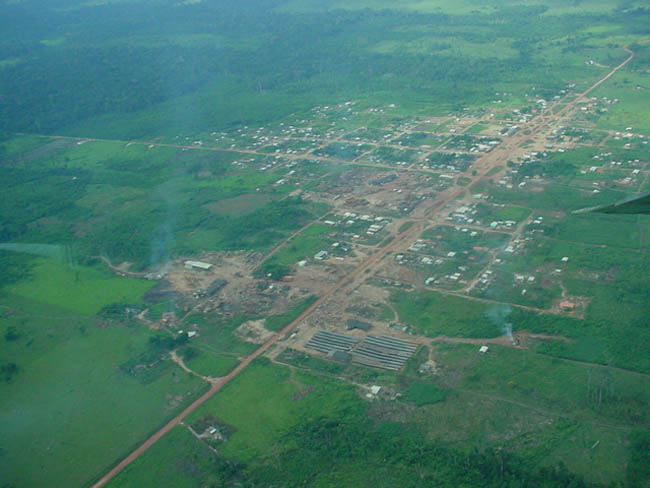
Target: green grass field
column 626, row 113
column 298, row 248
column 211, row 364
column 69, row 391
column 510, row 212
column 217, row 335
column 477, row 401
column 77, row 289
column 178, row 460
column 262, row 404
column 70, row 386
column 433, row 314
column 595, row 401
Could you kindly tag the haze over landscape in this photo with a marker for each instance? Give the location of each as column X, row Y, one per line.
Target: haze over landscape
column 281, row 243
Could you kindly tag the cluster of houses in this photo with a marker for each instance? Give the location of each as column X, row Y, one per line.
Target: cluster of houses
column 377, row 224
column 420, row 245
column 460, row 162
column 503, row 224
column 473, row 144
column 464, row 215
column 509, row 130
column 484, row 279
column 519, row 116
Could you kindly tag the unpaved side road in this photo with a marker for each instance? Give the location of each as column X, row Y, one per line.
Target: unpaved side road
column 487, row 165
column 221, row 382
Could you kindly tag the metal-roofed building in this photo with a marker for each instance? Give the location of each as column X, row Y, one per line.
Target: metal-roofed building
column 199, row 265
column 326, row 341
column 383, row 352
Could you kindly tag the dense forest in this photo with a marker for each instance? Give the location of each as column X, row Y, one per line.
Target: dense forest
column 78, row 63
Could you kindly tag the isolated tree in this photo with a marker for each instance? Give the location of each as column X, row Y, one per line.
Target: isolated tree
column 12, row 334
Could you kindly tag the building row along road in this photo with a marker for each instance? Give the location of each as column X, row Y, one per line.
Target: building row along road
column 482, row 166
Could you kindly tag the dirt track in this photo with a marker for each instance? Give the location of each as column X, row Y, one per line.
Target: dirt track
column 483, row 166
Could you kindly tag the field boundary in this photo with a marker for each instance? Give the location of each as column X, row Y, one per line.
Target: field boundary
column 487, row 164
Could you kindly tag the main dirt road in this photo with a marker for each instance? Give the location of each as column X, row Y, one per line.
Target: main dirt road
column 483, row 166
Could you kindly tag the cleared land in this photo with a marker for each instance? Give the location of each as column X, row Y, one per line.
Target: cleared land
column 413, row 182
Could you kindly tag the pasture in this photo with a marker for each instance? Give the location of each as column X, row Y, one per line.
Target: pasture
column 77, row 289
column 70, row 390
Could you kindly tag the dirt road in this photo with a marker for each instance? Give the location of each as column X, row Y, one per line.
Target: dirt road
column 483, row 166
column 219, row 384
